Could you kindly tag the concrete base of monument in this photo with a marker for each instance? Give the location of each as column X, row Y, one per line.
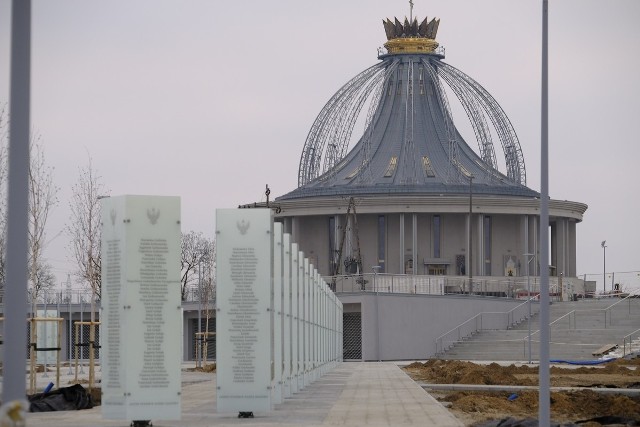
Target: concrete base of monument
column 353, row 394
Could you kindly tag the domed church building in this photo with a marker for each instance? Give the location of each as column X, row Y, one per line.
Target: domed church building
column 411, row 207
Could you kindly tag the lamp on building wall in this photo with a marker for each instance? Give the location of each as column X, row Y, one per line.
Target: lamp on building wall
column 604, row 266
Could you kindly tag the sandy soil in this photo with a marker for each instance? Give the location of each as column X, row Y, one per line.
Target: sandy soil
column 476, row 408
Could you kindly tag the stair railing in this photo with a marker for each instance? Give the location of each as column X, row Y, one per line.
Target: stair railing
column 629, row 338
column 525, row 339
column 477, row 323
column 633, row 294
column 572, row 314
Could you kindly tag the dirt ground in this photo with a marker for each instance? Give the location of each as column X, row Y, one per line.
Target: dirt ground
column 209, row 367
column 476, row 408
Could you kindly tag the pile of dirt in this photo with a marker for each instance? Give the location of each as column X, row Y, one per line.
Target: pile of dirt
column 211, row 367
column 478, row 407
column 617, row 374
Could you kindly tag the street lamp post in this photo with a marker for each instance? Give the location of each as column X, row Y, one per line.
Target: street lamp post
column 529, row 258
column 470, row 233
column 604, row 266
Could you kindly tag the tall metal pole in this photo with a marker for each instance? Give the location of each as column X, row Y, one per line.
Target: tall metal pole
column 15, row 336
column 604, row 266
column 544, row 395
column 199, row 339
column 470, row 232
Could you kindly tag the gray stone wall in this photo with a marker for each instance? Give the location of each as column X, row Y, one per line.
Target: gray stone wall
column 405, row 327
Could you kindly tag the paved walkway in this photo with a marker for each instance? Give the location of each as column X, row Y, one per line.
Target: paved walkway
column 352, row 394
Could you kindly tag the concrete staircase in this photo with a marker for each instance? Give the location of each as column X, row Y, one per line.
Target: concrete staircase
column 580, row 328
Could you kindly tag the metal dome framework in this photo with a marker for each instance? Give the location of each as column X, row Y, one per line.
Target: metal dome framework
column 327, row 142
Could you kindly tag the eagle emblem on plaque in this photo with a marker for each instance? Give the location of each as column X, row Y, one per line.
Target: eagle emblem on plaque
column 153, row 214
column 243, row 226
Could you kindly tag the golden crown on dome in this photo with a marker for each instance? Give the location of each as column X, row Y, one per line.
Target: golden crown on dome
column 411, row 37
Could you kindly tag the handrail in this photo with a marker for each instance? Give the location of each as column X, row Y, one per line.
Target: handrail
column 624, row 342
column 630, row 295
column 560, row 318
column 440, row 339
column 531, row 298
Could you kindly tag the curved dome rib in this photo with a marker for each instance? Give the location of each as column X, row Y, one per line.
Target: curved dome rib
column 348, row 113
column 477, row 119
column 370, row 123
column 514, row 158
column 453, row 170
column 327, row 121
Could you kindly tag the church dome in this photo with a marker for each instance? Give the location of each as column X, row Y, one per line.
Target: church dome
column 410, row 143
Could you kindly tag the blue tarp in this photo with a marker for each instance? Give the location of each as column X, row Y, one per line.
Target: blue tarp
column 584, row 362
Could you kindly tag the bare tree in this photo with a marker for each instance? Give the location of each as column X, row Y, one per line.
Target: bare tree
column 86, row 235
column 42, row 197
column 208, row 288
column 207, row 270
column 44, row 279
column 84, row 228
column 194, row 249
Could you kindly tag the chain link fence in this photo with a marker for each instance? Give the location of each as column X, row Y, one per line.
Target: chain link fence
column 612, row 282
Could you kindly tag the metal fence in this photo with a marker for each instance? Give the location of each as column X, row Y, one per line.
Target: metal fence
column 607, row 281
column 509, row 287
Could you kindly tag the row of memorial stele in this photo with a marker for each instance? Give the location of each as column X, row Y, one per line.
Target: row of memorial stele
column 278, row 326
column 141, row 308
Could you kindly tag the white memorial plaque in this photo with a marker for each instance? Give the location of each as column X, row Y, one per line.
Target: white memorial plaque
column 295, row 319
column 302, row 310
column 307, row 322
column 286, row 331
column 141, row 316
column 277, row 313
column 244, row 273
column 313, row 309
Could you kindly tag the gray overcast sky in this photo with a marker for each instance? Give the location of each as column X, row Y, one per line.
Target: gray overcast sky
column 211, row 100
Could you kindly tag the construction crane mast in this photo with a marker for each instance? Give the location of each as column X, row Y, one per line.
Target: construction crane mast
column 349, row 261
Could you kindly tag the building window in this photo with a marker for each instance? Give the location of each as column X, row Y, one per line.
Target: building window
column 487, row 245
column 461, row 265
column 354, row 173
column 437, row 269
column 436, row 236
column 332, row 245
column 391, row 169
column 381, row 242
column 426, row 166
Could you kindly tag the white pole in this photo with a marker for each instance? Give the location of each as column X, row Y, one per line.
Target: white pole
column 544, row 394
